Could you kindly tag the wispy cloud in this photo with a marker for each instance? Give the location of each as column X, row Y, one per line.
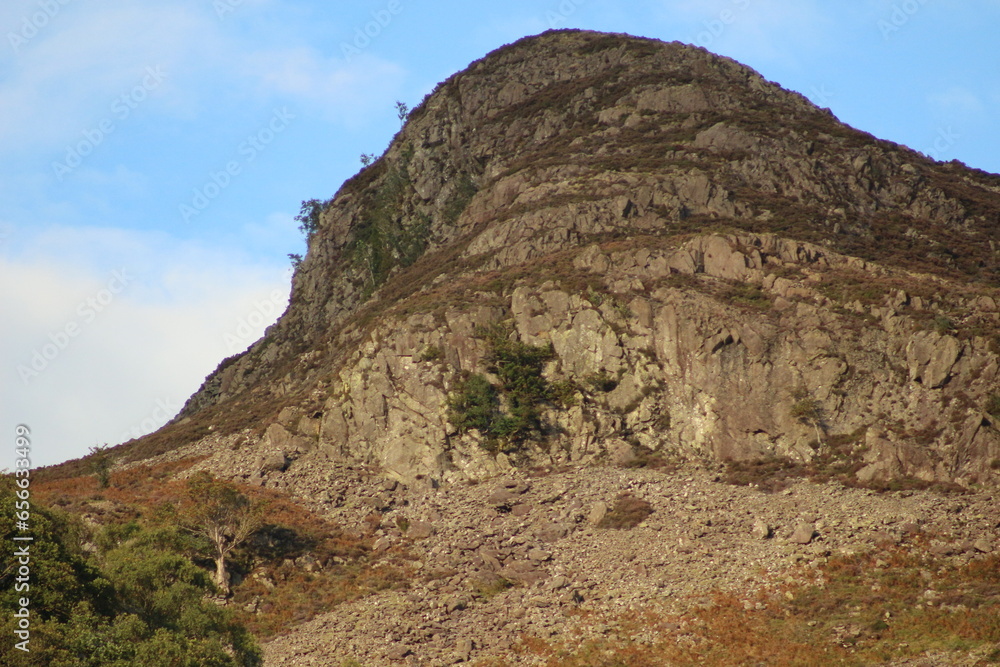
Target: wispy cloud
column 107, row 322
column 751, row 29
column 328, row 86
column 957, row 100
column 72, row 75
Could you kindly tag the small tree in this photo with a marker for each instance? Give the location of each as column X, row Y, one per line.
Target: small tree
column 101, row 462
column 218, row 511
column 367, row 158
column 308, row 217
column 403, row 112
column 808, row 410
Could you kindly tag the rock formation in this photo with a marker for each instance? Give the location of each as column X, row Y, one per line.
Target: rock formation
column 704, row 266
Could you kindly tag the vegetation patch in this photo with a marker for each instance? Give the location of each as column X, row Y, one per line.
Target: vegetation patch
column 992, row 406
column 602, row 381
column 628, row 512
column 465, row 190
column 891, row 605
column 770, row 474
column 294, row 566
column 838, row 459
column 386, row 238
column 139, row 600
column 746, row 295
column 508, row 413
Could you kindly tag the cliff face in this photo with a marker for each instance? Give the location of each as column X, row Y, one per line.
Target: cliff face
column 610, row 248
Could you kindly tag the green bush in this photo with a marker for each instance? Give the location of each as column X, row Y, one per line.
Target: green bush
column 563, row 393
column 431, row 353
column 511, row 411
column 138, row 601
column 474, row 405
column 386, row 236
column 602, row 381
column 308, row 217
column 465, row 190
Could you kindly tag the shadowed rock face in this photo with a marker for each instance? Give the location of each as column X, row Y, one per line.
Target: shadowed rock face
column 721, row 270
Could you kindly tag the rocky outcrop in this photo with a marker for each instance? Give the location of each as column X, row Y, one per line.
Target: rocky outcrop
column 708, row 352
column 719, row 269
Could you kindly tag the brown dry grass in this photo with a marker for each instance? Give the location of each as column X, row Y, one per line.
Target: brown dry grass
column 855, row 610
column 348, row 569
column 628, row 512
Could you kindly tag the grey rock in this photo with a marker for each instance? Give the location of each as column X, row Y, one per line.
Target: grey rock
column 761, row 530
column 803, row 534
column 597, row 512
column 398, row 652
column 420, row 530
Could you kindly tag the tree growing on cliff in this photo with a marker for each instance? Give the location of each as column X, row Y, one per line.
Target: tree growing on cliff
column 808, row 410
column 402, row 112
column 308, row 217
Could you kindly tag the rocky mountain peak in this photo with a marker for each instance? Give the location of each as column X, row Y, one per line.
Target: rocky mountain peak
column 592, row 248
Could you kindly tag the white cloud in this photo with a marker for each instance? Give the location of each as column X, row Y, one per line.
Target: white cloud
column 118, row 325
column 67, row 79
column 956, row 101
column 341, row 90
column 751, row 30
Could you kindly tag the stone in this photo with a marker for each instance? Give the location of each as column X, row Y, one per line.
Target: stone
column 983, row 545
column 539, row 555
column 502, row 497
column 521, row 509
column 552, row 532
column 273, row 462
column 760, row 530
column 523, row 572
column 931, row 357
column 398, row 652
column 803, row 533
column 597, row 512
column 420, row 530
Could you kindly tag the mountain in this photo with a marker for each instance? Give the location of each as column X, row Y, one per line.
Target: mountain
column 616, row 326
column 722, row 270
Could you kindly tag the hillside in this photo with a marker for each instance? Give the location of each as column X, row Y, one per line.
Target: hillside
column 716, row 248
column 603, row 276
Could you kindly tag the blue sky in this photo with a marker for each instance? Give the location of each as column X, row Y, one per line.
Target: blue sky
column 154, row 155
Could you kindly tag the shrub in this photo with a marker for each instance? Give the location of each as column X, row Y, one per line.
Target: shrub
column 476, row 403
column 563, row 392
column 808, row 410
column 431, row 353
column 465, row 190
column 308, row 217
column 602, row 381
column 943, row 324
column 101, row 461
column 387, row 236
column 628, row 512
column 993, row 406
column 747, row 295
